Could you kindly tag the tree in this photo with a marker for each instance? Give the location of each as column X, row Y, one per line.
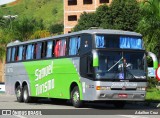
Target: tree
column 121, row 14
column 56, row 28
column 24, row 28
column 3, row 22
column 5, row 38
column 86, row 21
column 103, row 15
column 149, row 25
column 40, row 34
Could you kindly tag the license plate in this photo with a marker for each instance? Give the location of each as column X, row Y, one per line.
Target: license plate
column 122, row 95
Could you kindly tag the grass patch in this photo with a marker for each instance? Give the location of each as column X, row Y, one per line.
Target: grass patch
column 50, row 11
column 153, row 94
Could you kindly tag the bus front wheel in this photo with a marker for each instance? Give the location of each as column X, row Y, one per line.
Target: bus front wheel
column 26, row 96
column 18, row 92
column 75, row 97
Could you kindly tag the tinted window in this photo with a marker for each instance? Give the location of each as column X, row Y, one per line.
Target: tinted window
column 74, row 45
column 49, row 49
column 8, row 54
column 86, row 43
column 20, row 52
column 13, row 54
column 29, row 52
column 60, row 48
column 38, row 50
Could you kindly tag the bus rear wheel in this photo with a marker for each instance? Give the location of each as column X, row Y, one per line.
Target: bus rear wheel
column 75, row 97
column 18, row 92
column 26, row 96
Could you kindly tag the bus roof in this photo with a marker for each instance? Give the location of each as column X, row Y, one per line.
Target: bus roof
column 90, row 31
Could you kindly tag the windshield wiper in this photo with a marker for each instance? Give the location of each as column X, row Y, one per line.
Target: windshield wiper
column 133, row 77
column 114, row 64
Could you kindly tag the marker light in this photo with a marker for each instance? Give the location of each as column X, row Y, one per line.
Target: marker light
column 103, row 88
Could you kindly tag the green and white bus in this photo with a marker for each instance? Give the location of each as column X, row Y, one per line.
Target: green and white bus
column 89, row 65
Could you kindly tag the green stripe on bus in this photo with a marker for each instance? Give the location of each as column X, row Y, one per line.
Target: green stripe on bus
column 52, row 78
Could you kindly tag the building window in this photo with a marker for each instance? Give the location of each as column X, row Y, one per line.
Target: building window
column 104, row 1
column 72, row 2
column 72, row 18
column 87, row 1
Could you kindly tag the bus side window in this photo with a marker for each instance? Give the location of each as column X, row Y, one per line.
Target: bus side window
column 8, row 54
column 24, row 52
column 13, row 54
column 20, row 53
column 29, row 52
column 74, row 45
column 32, row 51
column 44, row 49
column 38, row 50
column 86, row 43
column 49, row 49
column 16, row 53
column 62, row 49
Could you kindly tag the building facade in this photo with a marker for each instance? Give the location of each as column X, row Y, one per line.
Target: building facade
column 1, row 71
column 74, row 8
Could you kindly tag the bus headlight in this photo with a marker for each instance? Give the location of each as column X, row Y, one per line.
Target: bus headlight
column 141, row 88
column 103, row 88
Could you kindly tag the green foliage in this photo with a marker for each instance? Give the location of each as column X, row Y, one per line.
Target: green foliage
column 54, row 11
column 125, row 14
column 40, row 34
column 5, row 37
column 86, row 21
column 24, row 28
column 121, row 14
column 152, row 82
column 149, row 25
column 56, row 28
column 153, row 95
column 39, row 9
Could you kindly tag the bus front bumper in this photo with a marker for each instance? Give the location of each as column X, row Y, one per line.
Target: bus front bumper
column 121, row 95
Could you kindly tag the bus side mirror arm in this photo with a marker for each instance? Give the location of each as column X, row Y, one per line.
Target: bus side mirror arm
column 154, row 58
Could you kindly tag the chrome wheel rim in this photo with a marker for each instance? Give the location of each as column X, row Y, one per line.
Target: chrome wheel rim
column 25, row 94
column 18, row 93
column 76, row 96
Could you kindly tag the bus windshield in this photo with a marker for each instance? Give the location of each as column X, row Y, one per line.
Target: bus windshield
column 117, row 41
column 121, row 65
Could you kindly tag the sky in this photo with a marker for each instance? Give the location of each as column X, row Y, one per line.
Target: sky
column 2, row 2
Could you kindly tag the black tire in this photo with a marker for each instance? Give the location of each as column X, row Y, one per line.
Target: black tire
column 119, row 104
column 18, row 92
column 75, row 98
column 26, row 97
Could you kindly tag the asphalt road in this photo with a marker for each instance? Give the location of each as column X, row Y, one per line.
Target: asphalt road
column 63, row 109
